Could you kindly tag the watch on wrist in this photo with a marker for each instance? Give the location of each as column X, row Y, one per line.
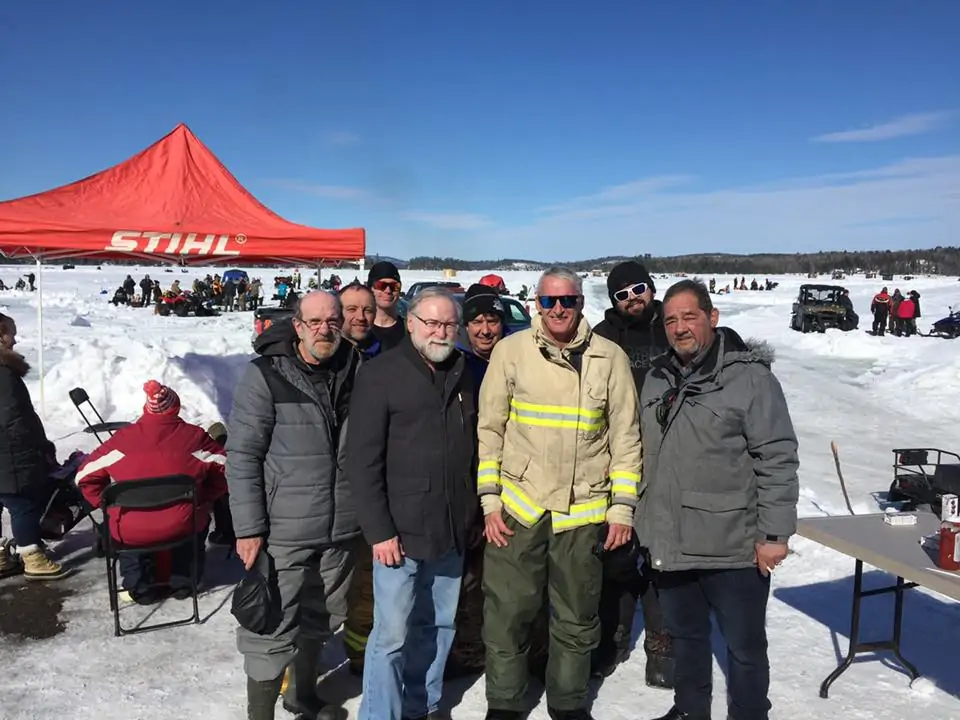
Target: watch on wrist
column 776, row 539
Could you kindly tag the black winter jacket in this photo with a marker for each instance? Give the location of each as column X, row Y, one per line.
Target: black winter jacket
column 411, row 452
column 285, row 446
column 642, row 340
column 26, row 456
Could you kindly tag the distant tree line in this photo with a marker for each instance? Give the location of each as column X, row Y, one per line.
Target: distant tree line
column 938, row 260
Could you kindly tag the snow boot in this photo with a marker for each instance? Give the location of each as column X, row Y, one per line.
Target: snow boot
column 300, row 697
column 37, row 566
column 262, row 698
column 674, row 714
column 660, row 667
column 10, row 564
column 578, row 714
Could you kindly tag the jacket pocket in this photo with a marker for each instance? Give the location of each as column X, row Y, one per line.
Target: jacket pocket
column 514, row 465
column 593, row 411
column 714, row 524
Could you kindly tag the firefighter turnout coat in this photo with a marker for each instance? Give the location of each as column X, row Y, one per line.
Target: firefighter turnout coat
column 559, row 431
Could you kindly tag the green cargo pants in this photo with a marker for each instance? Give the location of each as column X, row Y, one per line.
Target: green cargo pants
column 514, row 579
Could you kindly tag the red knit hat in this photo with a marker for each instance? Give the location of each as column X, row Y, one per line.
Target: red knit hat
column 161, row 400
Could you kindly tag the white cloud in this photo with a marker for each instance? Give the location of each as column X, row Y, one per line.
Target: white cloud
column 912, row 203
column 914, row 124
column 343, row 138
column 449, row 220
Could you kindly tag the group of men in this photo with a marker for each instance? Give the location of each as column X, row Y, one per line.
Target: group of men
column 454, row 466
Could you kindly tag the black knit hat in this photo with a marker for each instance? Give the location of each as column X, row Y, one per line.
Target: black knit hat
column 481, row 300
column 626, row 274
column 383, row 270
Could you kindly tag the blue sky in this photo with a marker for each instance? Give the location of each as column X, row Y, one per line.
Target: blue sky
column 546, row 130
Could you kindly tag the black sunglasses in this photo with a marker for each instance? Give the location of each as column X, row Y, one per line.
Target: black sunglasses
column 622, row 295
column 666, row 404
column 566, row 301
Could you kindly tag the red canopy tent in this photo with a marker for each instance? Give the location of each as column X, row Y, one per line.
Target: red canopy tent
column 174, row 201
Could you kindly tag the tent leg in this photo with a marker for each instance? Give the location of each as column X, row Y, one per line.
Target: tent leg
column 43, row 414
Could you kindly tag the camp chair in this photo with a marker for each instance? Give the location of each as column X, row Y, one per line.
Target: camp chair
column 78, row 396
column 145, row 495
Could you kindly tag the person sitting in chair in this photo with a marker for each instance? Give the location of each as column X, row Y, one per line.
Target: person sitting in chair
column 159, row 444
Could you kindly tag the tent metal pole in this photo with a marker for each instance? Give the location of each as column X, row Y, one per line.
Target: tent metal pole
column 43, row 413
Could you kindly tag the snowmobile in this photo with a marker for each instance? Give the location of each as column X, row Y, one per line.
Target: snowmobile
column 948, row 327
column 921, row 476
column 185, row 303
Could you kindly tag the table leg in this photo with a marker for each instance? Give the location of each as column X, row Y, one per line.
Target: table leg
column 897, row 623
column 854, row 632
column 856, row 647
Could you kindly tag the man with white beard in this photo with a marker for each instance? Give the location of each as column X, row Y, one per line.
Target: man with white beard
column 410, row 465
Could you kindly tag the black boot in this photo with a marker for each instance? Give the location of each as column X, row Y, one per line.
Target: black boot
column 660, row 666
column 301, row 697
column 674, row 714
column 494, row 714
column 262, row 698
column 578, row 714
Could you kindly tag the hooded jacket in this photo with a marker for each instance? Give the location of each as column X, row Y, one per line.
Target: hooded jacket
column 285, row 445
column 154, row 446
column 641, row 339
column 26, row 456
column 719, row 458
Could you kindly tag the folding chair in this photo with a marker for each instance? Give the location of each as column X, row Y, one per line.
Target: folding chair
column 78, row 396
column 146, row 495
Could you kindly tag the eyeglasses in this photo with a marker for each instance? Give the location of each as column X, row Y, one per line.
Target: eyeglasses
column 666, row 404
column 434, row 325
column 622, row 295
column 386, row 286
column 566, row 301
column 316, row 323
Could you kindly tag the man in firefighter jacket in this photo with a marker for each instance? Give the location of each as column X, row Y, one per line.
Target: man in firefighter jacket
column 558, row 478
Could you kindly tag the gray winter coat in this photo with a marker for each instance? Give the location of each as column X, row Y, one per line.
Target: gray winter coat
column 284, row 447
column 719, row 458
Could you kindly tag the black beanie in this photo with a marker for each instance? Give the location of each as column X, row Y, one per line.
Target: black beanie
column 626, row 274
column 480, row 300
column 383, row 270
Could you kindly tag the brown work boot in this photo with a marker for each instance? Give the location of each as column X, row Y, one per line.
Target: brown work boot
column 37, row 566
column 9, row 563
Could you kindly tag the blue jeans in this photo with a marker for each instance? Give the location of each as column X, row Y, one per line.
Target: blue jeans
column 415, row 607
column 26, row 509
column 738, row 598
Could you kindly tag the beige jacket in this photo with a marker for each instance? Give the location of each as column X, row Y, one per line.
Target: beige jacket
column 552, row 439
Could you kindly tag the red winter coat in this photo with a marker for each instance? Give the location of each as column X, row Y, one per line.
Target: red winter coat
column 905, row 309
column 154, row 446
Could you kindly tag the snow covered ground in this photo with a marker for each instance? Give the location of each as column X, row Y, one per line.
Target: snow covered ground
column 869, row 394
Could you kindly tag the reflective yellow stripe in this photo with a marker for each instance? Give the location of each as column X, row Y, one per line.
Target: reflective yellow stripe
column 488, row 475
column 588, row 513
column 593, row 512
column 624, row 483
column 556, row 416
column 354, row 640
column 517, row 501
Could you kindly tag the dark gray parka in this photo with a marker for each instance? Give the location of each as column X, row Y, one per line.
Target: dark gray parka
column 719, row 458
column 284, row 447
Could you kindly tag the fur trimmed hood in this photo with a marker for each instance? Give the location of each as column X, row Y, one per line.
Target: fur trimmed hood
column 15, row 361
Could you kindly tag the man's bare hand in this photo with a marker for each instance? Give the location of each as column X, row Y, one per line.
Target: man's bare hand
column 248, row 549
column 495, row 530
column 389, row 552
column 769, row 555
column 617, row 535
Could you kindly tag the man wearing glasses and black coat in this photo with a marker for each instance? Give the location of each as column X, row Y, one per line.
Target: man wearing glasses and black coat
column 635, row 323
